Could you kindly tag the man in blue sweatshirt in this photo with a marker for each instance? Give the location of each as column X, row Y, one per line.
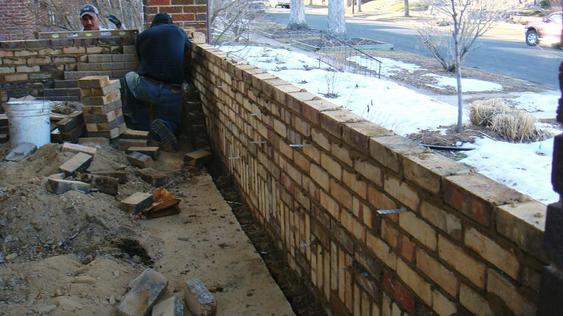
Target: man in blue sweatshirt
column 161, row 50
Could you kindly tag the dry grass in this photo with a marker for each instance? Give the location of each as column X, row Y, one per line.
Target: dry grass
column 510, row 124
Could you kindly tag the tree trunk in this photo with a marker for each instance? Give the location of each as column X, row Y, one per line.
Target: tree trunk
column 336, row 17
column 406, row 3
column 457, row 56
column 297, row 15
column 359, row 6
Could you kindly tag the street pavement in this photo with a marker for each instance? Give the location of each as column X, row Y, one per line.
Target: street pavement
column 511, row 58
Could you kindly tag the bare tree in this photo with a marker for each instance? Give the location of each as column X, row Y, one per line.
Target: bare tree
column 297, row 15
column 336, row 17
column 233, row 19
column 466, row 21
column 406, row 4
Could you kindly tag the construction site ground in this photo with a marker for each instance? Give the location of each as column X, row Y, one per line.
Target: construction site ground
column 75, row 253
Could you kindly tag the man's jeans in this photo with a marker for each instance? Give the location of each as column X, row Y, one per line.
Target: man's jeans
column 142, row 93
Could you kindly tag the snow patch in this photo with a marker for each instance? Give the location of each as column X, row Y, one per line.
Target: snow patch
column 467, row 84
column 388, row 66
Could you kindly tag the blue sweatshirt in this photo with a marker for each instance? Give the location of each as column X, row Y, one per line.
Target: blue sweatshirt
column 161, row 52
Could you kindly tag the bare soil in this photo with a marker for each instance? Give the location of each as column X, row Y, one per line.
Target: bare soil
column 75, row 253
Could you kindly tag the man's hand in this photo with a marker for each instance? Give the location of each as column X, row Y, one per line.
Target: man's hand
column 115, row 21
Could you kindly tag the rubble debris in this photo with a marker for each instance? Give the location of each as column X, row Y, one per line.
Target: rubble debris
column 154, row 177
column 93, row 141
column 137, row 202
column 197, row 158
column 121, row 176
column 199, row 300
column 143, row 293
column 56, row 136
column 139, row 160
column 124, row 144
column 172, row 306
column 104, row 184
column 164, row 204
column 60, row 186
column 135, row 134
column 20, row 152
column 76, row 148
column 78, row 162
column 151, row 151
column 102, row 108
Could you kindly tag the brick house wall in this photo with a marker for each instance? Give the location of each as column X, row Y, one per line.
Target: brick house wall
column 17, row 21
column 191, row 15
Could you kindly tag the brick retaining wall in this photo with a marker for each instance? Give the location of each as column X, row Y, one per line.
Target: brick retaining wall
column 464, row 243
column 49, row 67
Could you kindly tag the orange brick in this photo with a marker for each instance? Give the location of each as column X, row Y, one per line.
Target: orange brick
column 330, row 205
column 442, row 305
column 406, row 248
column 320, row 139
column 341, row 153
column 440, row 218
column 422, row 288
column 389, row 233
column 369, row 171
column 379, row 200
column 331, row 166
column 402, row 192
column 504, row 289
column 418, row 228
column 354, row 183
column 380, row 249
column 474, row 302
column 320, row 176
column 341, row 194
column 492, row 252
column 301, row 162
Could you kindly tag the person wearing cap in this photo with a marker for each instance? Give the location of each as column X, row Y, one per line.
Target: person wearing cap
column 90, row 18
column 161, row 51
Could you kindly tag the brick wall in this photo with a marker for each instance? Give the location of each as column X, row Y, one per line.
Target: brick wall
column 191, row 15
column 17, row 21
column 49, row 67
column 463, row 243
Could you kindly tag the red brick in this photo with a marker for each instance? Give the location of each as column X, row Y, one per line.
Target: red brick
column 399, row 293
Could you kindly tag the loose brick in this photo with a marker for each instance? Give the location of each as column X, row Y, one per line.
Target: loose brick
column 120, row 175
column 140, row 160
column 492, row 252
column 387, row 150
column 474, row 302
column 402, row 192
column 76, row 148
column 462, row 262
column 60, row 186
column 151, row 151
column 104, row 184
column 143, row 294
column 137, row 202
column 78, row 162
column 445, row 278
column 504, row 289
column 154, row 177
column 440, row 218
column 172, row 306
column 93, row 141
column 523, row 223
column 134, row 134
column 197, row 158
column 199, row 300
column 124, row 144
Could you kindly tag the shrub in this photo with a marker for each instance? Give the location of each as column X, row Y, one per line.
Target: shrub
column 516, row 126
column 481, row 112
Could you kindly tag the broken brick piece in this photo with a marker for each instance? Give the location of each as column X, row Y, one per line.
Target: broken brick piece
column 72, row 121
column 78, row 162
column 124, row 144
column 154, row 177
column 93, row 140
column 144, row 292
column 197, row 157
column 199, row 300
column 90, row 82
column 135, row 134
column 76, row 148
column 139, row 160
column 107, row 185
column 172, row 306
column 137, row 202
column 151, row 151
column 60, row 186
column 121, row 176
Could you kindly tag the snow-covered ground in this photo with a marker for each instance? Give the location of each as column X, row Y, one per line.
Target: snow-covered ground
column 525, row 167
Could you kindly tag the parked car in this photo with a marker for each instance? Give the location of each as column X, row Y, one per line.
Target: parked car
column 548, row 31
column 280, row 3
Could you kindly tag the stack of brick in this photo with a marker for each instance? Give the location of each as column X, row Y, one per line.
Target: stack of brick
column 4, row 129
column 101, row 100
column 69, row 128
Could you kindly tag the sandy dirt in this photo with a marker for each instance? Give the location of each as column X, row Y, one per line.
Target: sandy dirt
column 75, row 253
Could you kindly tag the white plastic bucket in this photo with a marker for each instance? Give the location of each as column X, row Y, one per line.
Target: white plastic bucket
column 29, row 122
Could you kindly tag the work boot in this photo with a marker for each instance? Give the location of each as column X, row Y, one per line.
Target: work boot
column 162, row 133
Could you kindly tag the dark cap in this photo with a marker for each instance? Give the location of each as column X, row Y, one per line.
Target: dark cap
column 161, row 18
column 89, row 9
